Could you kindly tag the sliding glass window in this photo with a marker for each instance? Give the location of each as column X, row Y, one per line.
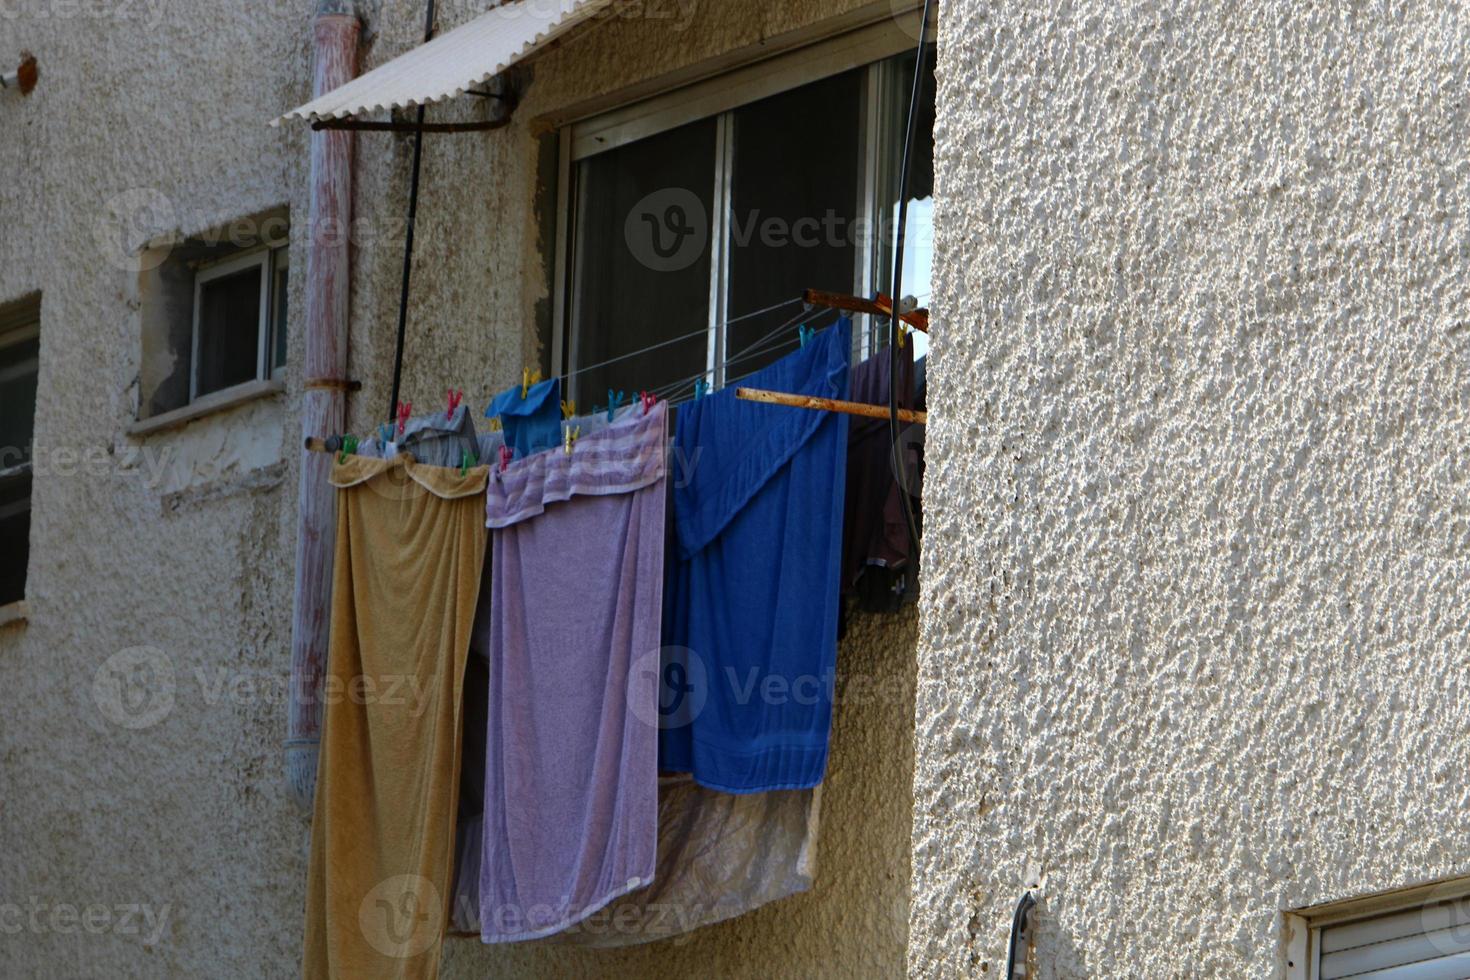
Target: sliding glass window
column 690, row 237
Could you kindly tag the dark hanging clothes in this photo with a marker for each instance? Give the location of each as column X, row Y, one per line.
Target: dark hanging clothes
column 875, row 536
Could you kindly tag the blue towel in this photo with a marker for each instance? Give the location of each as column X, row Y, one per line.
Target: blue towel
column 750, row 603
column 533, row 423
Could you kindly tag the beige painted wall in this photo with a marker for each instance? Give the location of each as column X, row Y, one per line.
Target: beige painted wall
column 1194, row 621
column 182, row 542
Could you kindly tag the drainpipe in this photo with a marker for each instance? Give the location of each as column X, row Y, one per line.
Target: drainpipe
column 334, row 32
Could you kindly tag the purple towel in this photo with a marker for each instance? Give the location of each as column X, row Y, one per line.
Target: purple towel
column 571, row 771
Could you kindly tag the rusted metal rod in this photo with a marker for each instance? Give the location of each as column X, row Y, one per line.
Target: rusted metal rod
column 918, row 319
column 828, row 405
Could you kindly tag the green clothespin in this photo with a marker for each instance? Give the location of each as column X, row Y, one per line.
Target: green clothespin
column 349, row 447
column 466, row 460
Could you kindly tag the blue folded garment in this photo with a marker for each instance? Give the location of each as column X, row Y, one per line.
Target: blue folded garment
column 750, row 603
column 533, row 423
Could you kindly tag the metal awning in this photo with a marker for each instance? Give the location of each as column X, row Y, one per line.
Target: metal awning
column 453, row 63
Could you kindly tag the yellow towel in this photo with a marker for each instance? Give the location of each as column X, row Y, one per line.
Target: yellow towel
column 410, row 549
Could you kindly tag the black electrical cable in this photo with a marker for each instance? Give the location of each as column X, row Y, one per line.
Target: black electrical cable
column 413, row 212
column 899, row 470
column 1019, row 942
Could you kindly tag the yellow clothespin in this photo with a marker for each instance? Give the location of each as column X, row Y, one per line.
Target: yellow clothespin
column 573, row 434
column 902, row 333
column 525, row 382
column 568, row 409
column 495, row 423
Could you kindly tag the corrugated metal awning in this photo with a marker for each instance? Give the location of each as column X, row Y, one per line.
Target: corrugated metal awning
column 453, row 63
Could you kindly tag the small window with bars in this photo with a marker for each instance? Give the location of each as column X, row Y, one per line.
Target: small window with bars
column 20, row 346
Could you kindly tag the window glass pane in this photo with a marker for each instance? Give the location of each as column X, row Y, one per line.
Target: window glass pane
column 918, row 253
column 15, row 529
column 229, row 330
column 278, row 314
column 17, row 401
column 794, row 208
column 641, row 268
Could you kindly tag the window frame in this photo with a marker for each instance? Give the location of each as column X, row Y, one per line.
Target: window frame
column 269, row 260
column 871, row 48
column 1302, row 928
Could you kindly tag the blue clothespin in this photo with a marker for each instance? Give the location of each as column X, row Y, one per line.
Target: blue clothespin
column 614, row 399
column 385, row 435
column 805, row 333
column 701, row 388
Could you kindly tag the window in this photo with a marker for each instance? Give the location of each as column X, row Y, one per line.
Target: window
column 239, row 321
column 20, row 343
column 214, row 315
column 1416, row 934
column 691, row 220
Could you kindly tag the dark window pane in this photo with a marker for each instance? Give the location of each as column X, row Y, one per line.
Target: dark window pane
column 641, row 265
column 229, row 331
column 278, row 327
column 17, row 401
column 794, row 207
column 15, row 530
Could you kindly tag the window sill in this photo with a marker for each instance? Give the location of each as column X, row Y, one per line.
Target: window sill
column 14, row 612
column 208, row 405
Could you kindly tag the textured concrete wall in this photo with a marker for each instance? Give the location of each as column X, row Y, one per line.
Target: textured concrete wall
column 150, row 118
column 1194, row 618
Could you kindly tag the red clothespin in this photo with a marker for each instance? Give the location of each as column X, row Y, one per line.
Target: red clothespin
column 405, row 409
column 506, row 455
column 649, row 399
column 455, row 397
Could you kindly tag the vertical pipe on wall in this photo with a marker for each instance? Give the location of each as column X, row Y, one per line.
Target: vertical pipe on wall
column 335, row 28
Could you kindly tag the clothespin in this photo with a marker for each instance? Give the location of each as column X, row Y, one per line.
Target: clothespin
column 701, row 388
column 385, row 435
column 466, row 459
column 506, row 455
column 573, row 434
column 405, row 409
column 614, row 399
column 495, row 423
column 649, row 399
column 805, row 333
column 349, row 446
column 568, row 409
column 529, row 378
column 902, row 334
column 455, row 397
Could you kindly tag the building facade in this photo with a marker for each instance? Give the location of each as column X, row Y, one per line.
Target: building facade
column 1186, row 659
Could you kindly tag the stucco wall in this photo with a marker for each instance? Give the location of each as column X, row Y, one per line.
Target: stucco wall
column 181, row 542
column 1194, row 616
